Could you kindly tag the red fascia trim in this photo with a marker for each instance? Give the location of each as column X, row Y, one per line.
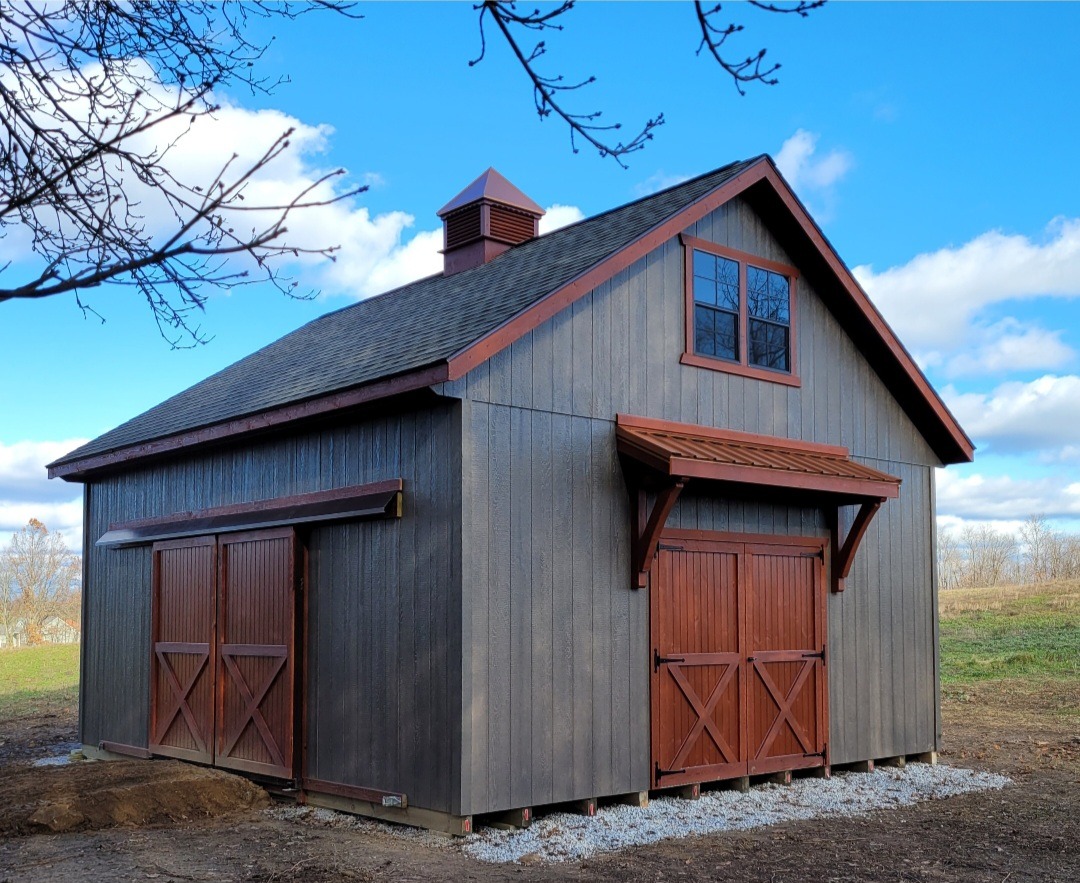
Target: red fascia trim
column 862, row 487
column 75, row 470
column 870, row 312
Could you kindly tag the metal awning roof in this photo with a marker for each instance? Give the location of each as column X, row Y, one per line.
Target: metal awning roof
column 687, row 451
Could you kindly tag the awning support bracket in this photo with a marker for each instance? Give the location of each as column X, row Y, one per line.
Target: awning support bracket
column 646, row 527
column 844, row 555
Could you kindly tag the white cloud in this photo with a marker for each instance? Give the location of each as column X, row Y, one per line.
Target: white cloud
column 376, row 253
column 26, row 491
column 803, row 170
column 1042, row 415
column 1004, row 347
column 658, row 181
column 932, row 299
column 375, row 261
column 556, row 216
column 22, row 470
column 1002, row 499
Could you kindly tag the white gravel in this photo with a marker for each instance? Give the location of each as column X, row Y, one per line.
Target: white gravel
column 562, row 837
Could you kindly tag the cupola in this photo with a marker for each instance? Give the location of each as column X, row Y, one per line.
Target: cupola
column 488, row 217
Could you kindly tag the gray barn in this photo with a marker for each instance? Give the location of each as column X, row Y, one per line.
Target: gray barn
column 643, row 502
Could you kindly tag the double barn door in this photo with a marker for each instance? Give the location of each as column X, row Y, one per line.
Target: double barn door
column 738, row 637
column 222, row 670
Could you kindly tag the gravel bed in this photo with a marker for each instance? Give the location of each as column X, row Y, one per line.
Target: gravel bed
column 563, row 837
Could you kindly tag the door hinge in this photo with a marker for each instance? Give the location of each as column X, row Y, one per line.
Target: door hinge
column 659, row 660
column 820, row 754
column 819, row 554
column 669, row 548
column 819, row 655
column 661, row 773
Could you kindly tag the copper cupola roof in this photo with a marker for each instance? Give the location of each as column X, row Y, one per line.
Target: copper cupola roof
column 485, row 219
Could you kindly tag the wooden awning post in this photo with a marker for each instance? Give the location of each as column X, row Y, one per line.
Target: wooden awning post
column 646, row 531
column 844, row 555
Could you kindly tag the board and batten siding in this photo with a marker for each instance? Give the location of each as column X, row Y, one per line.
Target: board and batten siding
column 383, row 596
column 555, row 675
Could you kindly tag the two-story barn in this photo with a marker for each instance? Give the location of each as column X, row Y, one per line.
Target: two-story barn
column 645, row 501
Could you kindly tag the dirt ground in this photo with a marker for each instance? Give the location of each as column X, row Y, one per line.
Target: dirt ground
column 181, row 823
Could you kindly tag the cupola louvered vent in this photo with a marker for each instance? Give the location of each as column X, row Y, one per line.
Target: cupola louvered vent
column 484, row 220
column 463, row 226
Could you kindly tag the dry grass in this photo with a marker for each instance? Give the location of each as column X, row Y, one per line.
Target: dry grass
column 1056, row 596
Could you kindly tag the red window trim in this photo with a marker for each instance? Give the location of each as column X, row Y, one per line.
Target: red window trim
column 741, row 368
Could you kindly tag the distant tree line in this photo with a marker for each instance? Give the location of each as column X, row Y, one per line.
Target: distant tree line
column 979, row 555
column 40, row 588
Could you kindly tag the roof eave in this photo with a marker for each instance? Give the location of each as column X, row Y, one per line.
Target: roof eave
column 79, row 469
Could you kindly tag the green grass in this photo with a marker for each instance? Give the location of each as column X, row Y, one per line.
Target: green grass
column 38, row 680
column 1014, row 632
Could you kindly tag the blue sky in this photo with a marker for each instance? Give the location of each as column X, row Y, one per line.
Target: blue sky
column 936, row 145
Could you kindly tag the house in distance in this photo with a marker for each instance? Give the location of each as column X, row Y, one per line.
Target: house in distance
column 641, row 503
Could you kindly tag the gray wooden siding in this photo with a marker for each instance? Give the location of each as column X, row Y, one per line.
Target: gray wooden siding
column 543, row 411
column 383, row 596
column 556, row 701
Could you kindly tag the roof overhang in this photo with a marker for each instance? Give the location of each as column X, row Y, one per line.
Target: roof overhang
column 684, row 451
column 376, row 500
column 676, row 454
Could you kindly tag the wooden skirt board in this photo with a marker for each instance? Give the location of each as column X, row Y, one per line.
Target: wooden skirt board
column 226, row 606
column 738, row 633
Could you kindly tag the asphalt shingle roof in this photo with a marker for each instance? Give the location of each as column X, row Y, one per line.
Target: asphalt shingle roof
column 412, row 327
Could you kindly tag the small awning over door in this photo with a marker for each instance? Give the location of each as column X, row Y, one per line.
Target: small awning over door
column 673, row 454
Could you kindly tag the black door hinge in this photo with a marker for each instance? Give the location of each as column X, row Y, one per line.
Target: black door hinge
column 659, row 660
column 661, row 773
column 669, row 548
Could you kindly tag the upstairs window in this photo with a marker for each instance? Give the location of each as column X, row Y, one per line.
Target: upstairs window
column 740, row 313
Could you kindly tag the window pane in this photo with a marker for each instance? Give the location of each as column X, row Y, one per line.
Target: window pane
column 779, row 298
column 705, row 290
column 768, row 345
column 767, row 295
column 716, row 333
column 727, row 335
column 704, row 332
column 704, row 264
column 757, row 290
column 727, row 284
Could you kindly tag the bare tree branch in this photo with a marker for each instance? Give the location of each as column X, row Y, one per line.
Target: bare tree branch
column 548, row 91
column 94, row 97
column 752, row 68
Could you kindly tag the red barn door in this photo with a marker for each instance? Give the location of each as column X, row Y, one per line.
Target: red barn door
column 698, row 685
column 182, row 660
column 738, row 657
column 224, row 648
column 785, row 659
column 256, row 639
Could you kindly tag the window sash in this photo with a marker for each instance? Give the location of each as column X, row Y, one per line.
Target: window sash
column 764, row 346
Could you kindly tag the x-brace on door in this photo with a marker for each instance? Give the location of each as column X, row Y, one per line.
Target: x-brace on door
column 224, row 650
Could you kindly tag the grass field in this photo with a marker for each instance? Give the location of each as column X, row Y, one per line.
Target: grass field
column 38, row 680
column 1013, row 632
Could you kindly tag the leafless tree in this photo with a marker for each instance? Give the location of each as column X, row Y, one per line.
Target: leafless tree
column 1036, row 540
column 93, row 97
column 950, row 560
column 96, row 94
column 551, row 92
column 990, row 556
column 42, row 579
